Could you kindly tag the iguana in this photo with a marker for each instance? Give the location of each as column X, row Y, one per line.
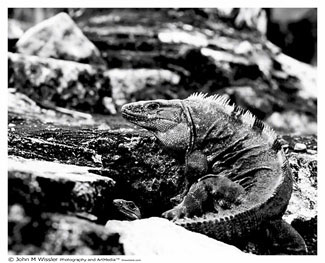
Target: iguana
column 127, row 210
column 239, row 180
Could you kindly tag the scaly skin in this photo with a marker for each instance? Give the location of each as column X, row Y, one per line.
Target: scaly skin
column 238, row 177
column 127, row 209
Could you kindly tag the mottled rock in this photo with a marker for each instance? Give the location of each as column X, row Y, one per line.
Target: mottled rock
column 302, row 210
column 250, row 98
column 305, row 75
column 51, row 186
column 291, row 140
column 14, row 29
column 253, row 18
column 127, row 82
column 292, row 121
column 183, row 37
column 21, row 105
column 55, row 234
column 303, row 202
column 300, row 147
column 311, row 151
column 160, row 237
column 59, row 37
column 133, row 159
column 60, row 83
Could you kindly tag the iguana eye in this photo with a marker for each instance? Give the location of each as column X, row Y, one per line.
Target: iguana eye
column 152, row 106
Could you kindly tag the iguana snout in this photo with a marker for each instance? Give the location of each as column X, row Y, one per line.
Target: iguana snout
column 127, row 209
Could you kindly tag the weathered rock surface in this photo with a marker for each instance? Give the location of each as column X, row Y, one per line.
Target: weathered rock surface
column 55, row 187
column 303, row 202
column 129, row 83
column 21, row 106
column 54, row 82
column 160, row 237
column 292, row 121
column 134, row 160
column 14, row 29
column 54, row 234
column 59, row 37
column 302, row 209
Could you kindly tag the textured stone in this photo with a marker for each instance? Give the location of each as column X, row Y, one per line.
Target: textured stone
column 59, row 37
column 250, row 98
column 303, row 202
column 127, row 82
column 134, row 160
column 302, row 210
column 21, row 105
column 55, row 234
column 300, row 147
column 54, row 82
column 14, row 29
column 291, row 121
column 160, row 237
column 51, row 186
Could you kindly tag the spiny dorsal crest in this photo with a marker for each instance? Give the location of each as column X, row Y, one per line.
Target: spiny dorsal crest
column 244, row 115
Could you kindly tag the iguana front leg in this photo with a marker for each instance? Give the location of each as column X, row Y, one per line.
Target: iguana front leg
column 210, row 193
column 196, row 166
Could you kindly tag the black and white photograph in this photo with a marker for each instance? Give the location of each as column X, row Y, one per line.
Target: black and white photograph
column 172, row 131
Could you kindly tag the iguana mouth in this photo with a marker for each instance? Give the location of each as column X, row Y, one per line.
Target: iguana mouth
column 131, row 116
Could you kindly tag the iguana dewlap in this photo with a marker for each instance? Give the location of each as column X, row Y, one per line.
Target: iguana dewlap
column 239, row 181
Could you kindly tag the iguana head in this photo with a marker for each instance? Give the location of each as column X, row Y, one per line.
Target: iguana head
column 181, row 124
column 164, row 118
column 127, row 209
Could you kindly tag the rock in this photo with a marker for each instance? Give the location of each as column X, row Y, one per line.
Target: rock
column 50, row 186
column 310, row 141
column 291, row 121
column 302, row 209
column 59, row 37
column 303, row 202
column 109, row 105
column 14, row 29
column 294, row 30
column 311, row 152
column 55, row 234
column 252, row 99
column 127, row 82
column 253, row 18
column 300, row 147
column 179, row 36
column 304, row 73
column 54, row 82
column 135, row 161
column 160, row 237
column 21, row 105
